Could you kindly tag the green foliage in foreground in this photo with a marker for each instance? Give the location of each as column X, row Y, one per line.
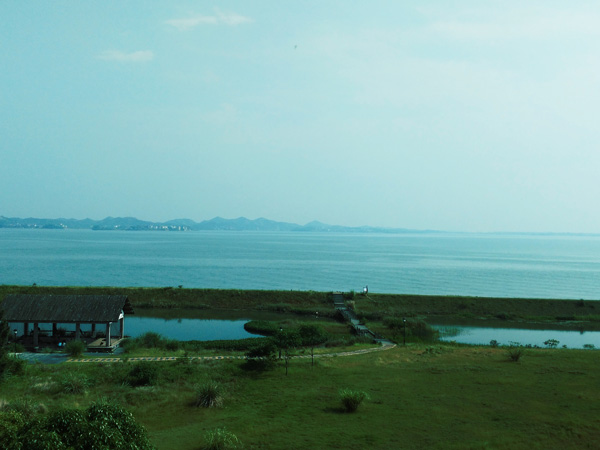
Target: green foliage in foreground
column 221, row 439
column 100, row 426
column 420, row 396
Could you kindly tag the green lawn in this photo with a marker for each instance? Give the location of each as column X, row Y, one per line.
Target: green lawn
column 437, row 396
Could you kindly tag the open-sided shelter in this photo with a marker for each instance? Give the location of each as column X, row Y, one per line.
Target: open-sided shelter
column 67, row 309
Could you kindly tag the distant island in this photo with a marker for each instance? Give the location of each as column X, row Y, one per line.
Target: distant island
column 217, row 224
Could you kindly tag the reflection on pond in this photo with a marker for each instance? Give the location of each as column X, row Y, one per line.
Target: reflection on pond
column 505, row 336
column 197, row 324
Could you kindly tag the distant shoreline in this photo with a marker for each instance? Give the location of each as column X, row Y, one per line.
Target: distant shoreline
column 240, row 224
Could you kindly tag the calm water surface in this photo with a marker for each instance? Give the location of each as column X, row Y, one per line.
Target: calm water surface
column 506, row 336
column 456, row 264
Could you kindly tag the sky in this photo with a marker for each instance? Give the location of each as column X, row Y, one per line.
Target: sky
column 458, row 116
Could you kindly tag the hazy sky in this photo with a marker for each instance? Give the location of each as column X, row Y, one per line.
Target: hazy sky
column 463, row 115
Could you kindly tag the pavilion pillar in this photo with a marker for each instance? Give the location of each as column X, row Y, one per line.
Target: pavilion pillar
column 77, row 330
column 94, row 330
column 25, row 328
column 122, row 326
column 54, row 329
column 108, row 334
column 36, row 335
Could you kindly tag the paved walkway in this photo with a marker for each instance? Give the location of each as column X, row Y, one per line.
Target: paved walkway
column 385, row 346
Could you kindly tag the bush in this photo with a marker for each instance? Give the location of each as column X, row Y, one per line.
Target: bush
column 11, row 366
column 144, row 373
column 351, row 400
column 74, row 383
column 150, row 339
column 101, row 426
column 221, row 439
column 26, row 407
column 75, row 348
column 10, row 424
column 515, row 353
column 209, row 395
column 415, row 328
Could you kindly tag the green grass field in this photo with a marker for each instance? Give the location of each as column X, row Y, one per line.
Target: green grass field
column 419, row 396
column 436, row 396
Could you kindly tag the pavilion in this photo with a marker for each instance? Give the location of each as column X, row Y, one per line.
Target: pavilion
column 67, row 309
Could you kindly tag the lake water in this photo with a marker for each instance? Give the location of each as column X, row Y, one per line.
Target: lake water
column 453, row 264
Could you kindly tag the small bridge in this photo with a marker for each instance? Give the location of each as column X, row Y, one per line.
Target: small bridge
column 349, row 316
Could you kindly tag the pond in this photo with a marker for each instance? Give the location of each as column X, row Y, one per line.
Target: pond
column 476, row 335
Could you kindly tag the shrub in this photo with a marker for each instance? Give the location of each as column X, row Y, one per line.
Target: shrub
column 75, row 348
column 74, row 383
column 494, row 343
column 26, row 407
column 551, row 343
column 101, row 426
column 415, row 328
column 144, row 373
column 515, row 353
column 351, row 400
column 11, row 366
column 209, row 395
column 221, row 439
column 150, row 339
column 172, row 345
column 10, row 424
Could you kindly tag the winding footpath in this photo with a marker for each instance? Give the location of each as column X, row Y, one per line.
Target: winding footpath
column 385, row 346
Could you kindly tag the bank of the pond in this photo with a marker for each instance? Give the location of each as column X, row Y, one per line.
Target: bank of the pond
column 370, row 307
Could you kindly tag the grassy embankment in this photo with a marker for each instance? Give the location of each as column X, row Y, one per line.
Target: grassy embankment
column 420, row 397
column 372, row 307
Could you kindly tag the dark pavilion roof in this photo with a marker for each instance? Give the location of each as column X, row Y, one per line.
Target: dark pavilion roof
column 65, row 308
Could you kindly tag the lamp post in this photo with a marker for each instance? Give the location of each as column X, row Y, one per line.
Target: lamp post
column 404, row 320
column 15, row 341
column 280, row 338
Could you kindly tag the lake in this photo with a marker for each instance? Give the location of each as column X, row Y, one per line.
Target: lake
column 532, row 266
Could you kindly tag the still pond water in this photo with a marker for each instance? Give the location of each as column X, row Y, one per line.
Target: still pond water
column 202, row 329
column 507, row 336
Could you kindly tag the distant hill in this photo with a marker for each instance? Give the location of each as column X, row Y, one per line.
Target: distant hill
column 217, row 223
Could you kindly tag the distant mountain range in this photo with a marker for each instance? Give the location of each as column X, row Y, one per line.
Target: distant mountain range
column 218, row 223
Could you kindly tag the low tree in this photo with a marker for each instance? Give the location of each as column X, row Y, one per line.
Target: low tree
column 286, row 341
column 312, row 335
